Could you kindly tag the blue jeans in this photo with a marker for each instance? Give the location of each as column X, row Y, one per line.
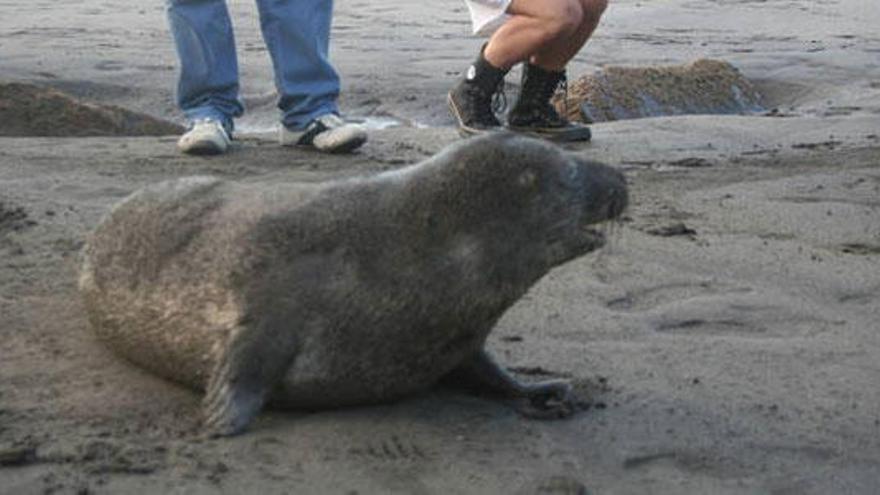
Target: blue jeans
column 297, row 34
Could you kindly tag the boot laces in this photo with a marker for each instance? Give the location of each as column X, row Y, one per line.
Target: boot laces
column 545, row 102
column 499, row 99
column 563, row 83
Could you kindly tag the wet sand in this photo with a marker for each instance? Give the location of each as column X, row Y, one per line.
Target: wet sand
column 727, row 336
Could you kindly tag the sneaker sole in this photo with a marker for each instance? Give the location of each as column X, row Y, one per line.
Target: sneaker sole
column 343, row 148
column 463, row 130
column 569, row 135
column 208, row 149
column 346, row 147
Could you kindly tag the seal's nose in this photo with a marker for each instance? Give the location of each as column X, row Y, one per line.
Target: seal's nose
column 606, row 192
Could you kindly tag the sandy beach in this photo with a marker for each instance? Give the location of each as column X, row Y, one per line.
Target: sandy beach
column 728, row 337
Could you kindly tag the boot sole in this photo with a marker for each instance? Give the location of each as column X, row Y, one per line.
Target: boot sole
column 463, row 130
column 567, row 135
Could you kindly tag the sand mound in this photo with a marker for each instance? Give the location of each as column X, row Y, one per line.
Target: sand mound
column 27, row 110
column 700, row 87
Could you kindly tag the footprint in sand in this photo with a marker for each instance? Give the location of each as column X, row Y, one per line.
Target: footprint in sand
column 109, row 65
column 749, row 316
column 645, row 298
column 390, row 449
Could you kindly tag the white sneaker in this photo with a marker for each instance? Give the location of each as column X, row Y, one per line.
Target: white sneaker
column 205, row 137
column 327, row 133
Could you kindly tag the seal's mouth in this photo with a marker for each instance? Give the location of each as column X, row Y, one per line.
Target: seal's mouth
column 594, row 234
column 568, row 247
column 592, row 238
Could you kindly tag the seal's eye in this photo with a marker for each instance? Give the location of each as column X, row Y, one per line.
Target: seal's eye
column 527, row 179
column 431, row 222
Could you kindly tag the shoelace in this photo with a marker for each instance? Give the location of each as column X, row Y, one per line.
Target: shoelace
column 499, row 99
column 331, row 121
column 209, row 121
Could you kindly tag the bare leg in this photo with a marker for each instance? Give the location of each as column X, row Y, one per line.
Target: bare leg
column 548, row 33
column 556, row 54
column 551, row 398
column 534, row 24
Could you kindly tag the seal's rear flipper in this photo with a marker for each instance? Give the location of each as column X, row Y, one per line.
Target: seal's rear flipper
column 244, row 374
column 546, row 400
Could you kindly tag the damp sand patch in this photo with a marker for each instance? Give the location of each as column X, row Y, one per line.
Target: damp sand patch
column 29, row 110
column 701, row 87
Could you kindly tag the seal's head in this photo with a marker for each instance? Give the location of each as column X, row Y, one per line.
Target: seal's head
column 533, row 201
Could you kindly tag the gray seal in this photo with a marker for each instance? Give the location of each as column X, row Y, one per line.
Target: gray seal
column 347, row 292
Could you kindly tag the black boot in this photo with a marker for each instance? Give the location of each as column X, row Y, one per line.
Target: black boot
column 471, row 99
column 533, row 112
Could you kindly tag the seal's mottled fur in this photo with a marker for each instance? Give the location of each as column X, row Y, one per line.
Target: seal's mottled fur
column 347, row 292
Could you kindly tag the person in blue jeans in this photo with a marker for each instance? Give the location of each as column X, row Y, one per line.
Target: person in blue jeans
column 297, row 34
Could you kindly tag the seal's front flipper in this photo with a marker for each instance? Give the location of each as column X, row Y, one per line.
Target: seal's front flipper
column 247, row 369
column 546, row 400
